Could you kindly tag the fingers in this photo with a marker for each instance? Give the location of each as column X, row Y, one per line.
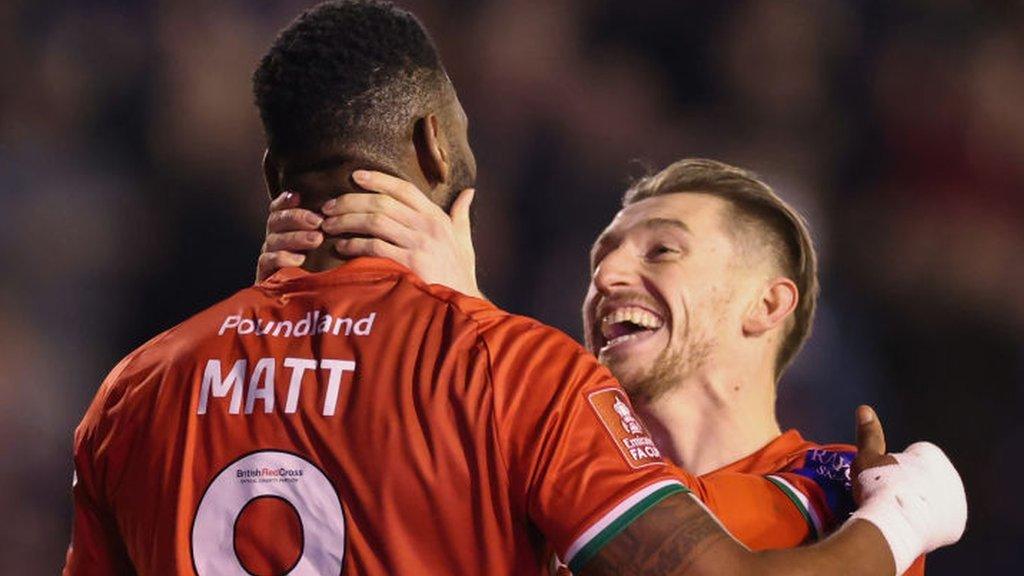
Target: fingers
column 292, row 219
column 870, row 436
column 353, row 247
column 870, row 445
column 356, row 203
column 270, row 262
column 460, row 212
column 376, row 225
column 289, row 230
column 284, row 200
column 396, row 188
column 292, row 241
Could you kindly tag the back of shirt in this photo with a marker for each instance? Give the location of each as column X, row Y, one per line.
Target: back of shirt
column 356, row 421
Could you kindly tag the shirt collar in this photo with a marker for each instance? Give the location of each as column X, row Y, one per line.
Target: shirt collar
column 769, row 458
column 357, row 269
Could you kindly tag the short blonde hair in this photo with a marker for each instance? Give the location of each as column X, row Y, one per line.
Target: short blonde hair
column 755, row 206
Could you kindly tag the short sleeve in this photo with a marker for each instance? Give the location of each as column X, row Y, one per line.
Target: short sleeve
column 581, row 464
column 755, row 510
column 96, row 546
column 820, row 488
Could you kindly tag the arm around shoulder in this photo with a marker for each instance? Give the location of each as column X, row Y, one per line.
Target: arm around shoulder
column 679, row 538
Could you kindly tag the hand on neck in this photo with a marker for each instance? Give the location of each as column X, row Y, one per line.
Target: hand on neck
column 327, row 175
column 323, row 258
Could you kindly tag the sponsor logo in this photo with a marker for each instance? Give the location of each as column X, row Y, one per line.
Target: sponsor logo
column 268, row 474
column 829, row 465
column 311, row 324
column 627, row 432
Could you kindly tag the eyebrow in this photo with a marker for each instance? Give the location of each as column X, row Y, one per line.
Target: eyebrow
column 612, row 237
column 666, row 222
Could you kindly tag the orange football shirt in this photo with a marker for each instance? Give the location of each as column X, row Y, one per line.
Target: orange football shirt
column 361, row 421
column 815, row 477
column 356, row 421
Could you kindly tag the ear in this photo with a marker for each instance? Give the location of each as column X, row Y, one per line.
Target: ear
column 777, row 301
column 431, row 154
column 271, row 175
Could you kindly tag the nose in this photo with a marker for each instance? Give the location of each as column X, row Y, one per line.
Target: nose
column 616, row 270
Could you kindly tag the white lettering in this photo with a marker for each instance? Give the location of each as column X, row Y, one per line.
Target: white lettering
column 325, row 324
column 347, row 322
column 213, row 384
column 363, row 327
column 302, row 327
column 246, row 326
column 264, row 371
column 262, row 383
column 309, row 324
column 282, row 324
column 263, row 329
column 299, row 367
column 337, row 369
column 229, row 322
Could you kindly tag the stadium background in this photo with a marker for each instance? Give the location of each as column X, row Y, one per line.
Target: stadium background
column 131, row 197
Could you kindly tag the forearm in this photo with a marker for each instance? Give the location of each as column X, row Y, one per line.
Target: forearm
column 678, row 537
column 912, row 503
column 857, row 549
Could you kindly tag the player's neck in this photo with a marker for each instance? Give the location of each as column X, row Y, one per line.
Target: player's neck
column 712, row 419
column 323, row 258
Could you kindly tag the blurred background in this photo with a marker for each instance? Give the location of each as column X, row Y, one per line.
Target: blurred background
column 129, row 150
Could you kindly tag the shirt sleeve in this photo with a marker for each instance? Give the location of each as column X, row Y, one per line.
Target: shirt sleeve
column 820, row 488
column 783, row 510
column 581, row 465
column 754, row 510
column 96, row 546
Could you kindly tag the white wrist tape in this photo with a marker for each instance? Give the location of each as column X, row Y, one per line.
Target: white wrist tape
column 919, row 503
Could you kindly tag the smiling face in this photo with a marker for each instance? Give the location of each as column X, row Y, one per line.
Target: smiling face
column 668, row 291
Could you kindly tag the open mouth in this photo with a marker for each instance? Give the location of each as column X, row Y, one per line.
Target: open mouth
column 628, row 324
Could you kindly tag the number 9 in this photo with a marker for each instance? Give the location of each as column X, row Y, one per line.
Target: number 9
column 269, row 476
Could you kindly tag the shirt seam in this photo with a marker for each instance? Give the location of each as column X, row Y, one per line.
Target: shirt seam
column 130, row 361
column 494, row 410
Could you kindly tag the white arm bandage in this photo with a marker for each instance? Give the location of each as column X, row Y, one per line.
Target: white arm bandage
column 918, row 504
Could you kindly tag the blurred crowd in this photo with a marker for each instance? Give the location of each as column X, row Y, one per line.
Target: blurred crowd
column 129, row 151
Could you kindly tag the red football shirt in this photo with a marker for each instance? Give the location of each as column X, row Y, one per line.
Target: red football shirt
column 359, row 420
column 816, row 478
column 356, row 420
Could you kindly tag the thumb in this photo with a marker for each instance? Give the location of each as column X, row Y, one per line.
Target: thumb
column 870, row 436
column 460, row 212
column 870, row 446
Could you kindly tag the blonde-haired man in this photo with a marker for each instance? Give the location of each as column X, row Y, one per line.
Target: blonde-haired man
column 703, row 290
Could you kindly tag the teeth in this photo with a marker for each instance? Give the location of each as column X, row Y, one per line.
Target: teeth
column 632, row 314
column 637, row 316
column 620, row 339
